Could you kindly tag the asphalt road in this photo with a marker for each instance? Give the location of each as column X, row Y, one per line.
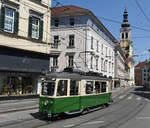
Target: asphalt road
column 130, row 109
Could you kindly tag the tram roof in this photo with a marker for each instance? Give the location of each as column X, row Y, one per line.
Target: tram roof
column 66, row 75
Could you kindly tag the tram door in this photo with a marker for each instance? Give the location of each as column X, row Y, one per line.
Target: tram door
column 74, row 93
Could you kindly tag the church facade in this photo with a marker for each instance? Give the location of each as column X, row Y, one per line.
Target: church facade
column 127, row 45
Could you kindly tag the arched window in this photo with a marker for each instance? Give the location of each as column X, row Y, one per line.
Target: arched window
column 122, row 35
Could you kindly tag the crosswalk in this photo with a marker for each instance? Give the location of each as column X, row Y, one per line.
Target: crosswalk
column 132, row 97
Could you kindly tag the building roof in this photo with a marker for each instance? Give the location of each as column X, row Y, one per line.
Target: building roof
column 141, row 64
column 71, row 10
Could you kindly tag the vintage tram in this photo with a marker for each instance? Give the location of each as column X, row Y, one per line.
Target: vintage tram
column 72, row 93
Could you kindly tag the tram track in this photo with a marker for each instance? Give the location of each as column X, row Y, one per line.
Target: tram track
column 44, row 123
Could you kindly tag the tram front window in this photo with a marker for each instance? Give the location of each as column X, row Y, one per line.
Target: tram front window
column 48, row 88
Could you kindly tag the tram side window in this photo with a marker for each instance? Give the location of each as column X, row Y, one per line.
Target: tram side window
column 74, row 87
column 62, row 88
column 103, row 87
column 97, row 87
column 89, row 87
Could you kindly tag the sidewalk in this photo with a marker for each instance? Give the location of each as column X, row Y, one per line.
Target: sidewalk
column 33, row 103
column 18, row 105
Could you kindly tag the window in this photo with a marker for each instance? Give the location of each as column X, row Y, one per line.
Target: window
column 55, row 61
column 103, row 87
column 97, row 63
column 89, row 87
column 9, row 20
column 56, row 22
column 35, row 26
column 97, row 46
column 71, row 62
column 109, row 67
column 102, row 49
column 56, row 41
column 91, row 42
column 48, row 88
column 97, row 87
column 71, row 41
column 72, row 21
column 106, row 66
column 91, row 62
column 74, row 87
column 62, row 88
column 102, row 64
column 106, row 52
column 126, row 35
column 122, row 35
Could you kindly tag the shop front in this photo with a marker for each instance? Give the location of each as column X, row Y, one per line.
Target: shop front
column 20, row 71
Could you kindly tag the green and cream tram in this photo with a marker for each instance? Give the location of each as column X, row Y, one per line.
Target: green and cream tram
column 72, row 93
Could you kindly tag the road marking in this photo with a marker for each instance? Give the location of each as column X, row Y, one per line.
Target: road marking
column 93, row 122
column 130, row 97
column 138, row 98
column 144, row 117
column 68, row 126
column 120, row 97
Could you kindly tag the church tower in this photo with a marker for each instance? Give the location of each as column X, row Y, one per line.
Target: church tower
column 126, row 45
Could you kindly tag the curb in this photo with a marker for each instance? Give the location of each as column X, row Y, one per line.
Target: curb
column 18, row 110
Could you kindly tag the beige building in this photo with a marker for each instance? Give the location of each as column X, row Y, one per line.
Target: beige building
column 24, row 44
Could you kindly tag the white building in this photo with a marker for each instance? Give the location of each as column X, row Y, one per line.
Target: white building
column 121, row 69
column 81, row 41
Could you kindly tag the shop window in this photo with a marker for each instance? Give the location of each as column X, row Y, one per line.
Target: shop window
column 62, row 88
column 103, row 87
column 74, row 87
column 97, row 87
column 89, row 87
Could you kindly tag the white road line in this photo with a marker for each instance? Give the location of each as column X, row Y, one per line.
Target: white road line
column 138, row 98
column 143, row 117
column 93, row 122
column 130, row 97
column 120, row 97
column 68, row 126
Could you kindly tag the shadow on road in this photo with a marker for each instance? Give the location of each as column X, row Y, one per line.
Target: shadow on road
column 141, row 91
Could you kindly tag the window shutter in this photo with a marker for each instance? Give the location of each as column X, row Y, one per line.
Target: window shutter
column 16, row 22
column 41, row 30
column 30, row 27
column 2, row 18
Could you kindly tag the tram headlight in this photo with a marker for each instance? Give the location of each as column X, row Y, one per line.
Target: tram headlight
column 45, row 102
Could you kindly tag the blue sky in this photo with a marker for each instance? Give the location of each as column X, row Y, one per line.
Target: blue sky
column 113, row 9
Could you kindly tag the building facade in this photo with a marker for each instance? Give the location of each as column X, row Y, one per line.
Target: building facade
column 121, row 72
column 24, row 44
column 145, row 74
column 81, row 41
column 127, row 45
column 139, row 73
